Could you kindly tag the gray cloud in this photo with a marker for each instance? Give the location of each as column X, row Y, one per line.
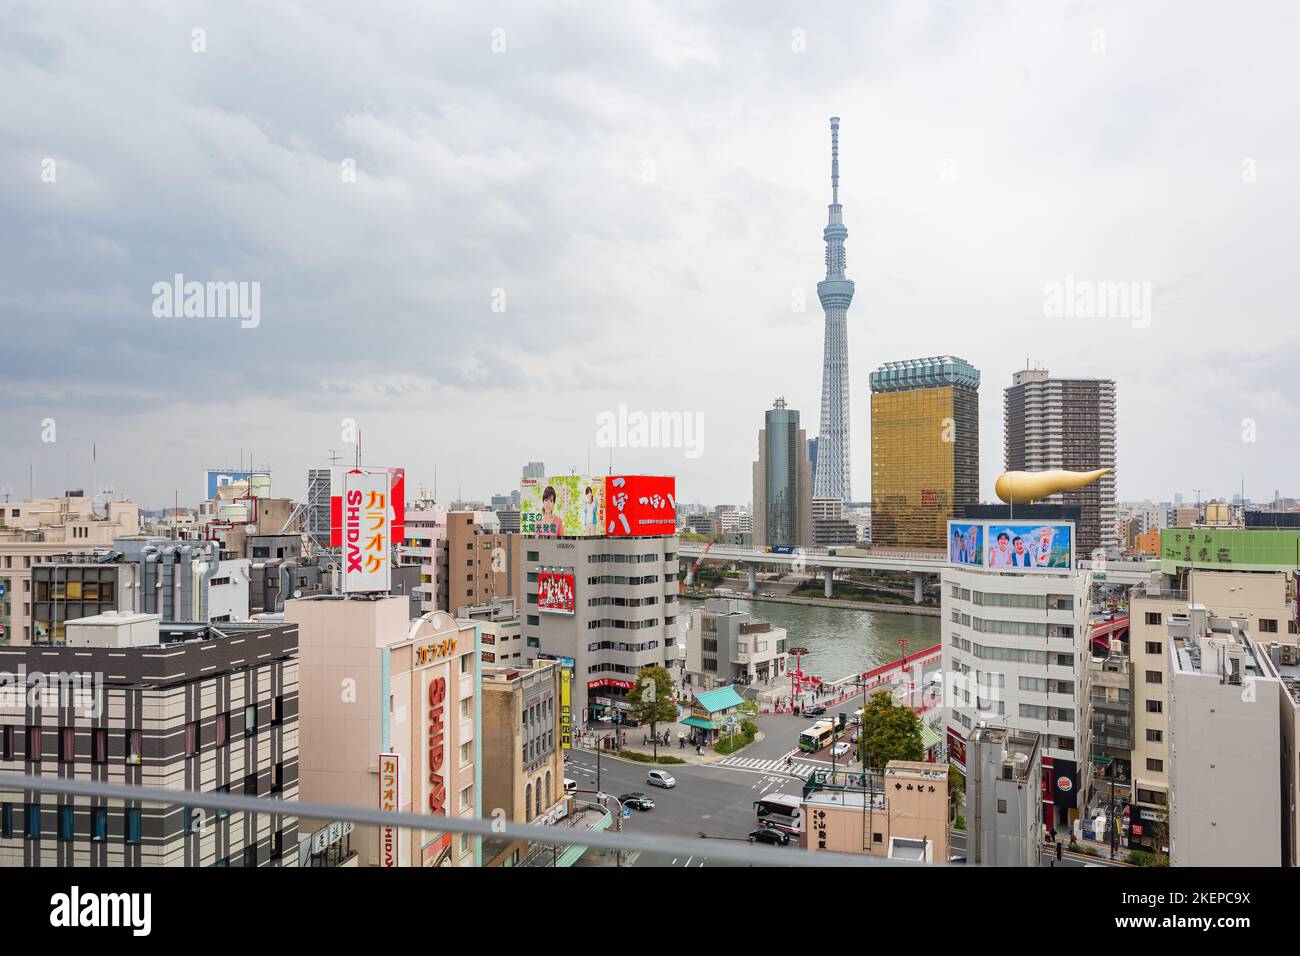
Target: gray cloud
column 647, row 184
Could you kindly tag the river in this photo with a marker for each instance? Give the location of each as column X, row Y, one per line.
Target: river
column 843, row 641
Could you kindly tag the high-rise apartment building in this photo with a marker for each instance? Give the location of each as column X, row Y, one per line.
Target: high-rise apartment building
column 1066, row 423
column 925, row 449
column 1015, row 648
column 782, row 481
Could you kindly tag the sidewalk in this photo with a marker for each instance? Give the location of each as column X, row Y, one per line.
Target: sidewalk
column 685, row 754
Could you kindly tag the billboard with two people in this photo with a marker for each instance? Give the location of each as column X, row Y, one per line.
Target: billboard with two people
column 1010, row 546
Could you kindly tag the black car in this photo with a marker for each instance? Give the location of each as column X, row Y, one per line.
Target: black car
column 637, row 801
column 815, row 711
column 769, row 835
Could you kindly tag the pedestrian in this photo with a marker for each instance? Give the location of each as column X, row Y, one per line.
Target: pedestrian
column 1058, row 849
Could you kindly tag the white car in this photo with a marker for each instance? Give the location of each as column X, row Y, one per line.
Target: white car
column 660, row 778
column 840, row 749
column 570, row 785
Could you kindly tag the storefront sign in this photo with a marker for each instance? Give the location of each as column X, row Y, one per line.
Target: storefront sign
column 389, row 783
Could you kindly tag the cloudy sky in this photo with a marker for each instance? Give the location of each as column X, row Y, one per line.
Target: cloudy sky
column 477, row 226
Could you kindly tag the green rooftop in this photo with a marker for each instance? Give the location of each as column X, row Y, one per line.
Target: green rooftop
column 724, row 698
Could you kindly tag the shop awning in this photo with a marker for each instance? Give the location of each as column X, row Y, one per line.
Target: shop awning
column 700, row 722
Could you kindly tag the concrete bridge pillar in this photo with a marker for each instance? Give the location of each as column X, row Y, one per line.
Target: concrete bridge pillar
column 918, row 588
column 752, row 571
column 690, row 577
column 828, row 579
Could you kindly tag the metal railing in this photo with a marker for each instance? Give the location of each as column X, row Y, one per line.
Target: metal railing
column 731, row 851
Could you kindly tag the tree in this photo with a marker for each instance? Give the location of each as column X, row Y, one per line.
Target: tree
column 651, row 700
column 956, row 788
column 889, row 732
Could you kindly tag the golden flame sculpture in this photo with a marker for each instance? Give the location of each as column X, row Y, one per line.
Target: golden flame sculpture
column 1022, row 487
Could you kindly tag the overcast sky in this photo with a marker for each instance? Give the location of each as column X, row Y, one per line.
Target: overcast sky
column 561, row 207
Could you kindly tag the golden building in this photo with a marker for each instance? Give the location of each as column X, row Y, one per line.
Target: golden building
column 924, row 449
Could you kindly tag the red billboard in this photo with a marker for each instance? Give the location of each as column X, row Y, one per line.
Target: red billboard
column 638, row 505
column 555, row 592
column 396, row 499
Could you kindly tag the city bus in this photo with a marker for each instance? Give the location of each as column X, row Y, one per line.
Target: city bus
column 783, row 811
column 819, row 735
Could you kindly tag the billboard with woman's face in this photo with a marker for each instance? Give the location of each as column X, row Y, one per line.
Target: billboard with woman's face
column 562, row 506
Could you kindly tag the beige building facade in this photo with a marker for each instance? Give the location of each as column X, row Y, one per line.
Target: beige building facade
column 39, row 529
column 900, row 814
column 390, row 717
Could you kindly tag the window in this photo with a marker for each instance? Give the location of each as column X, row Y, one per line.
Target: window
column 33, row 816
column 277, row 846
column 277, row 711
column 67, row 745
column 877, row 838
column 1155, row 707
column 33, row 742
column 1267, row 625
column 6, row 820
column 98, row 824
column 1002, row 806
column 132, row 834
column 7, row 742
column 1155, row 736
column 134, row 746
column 193, row 818
column 250, row 720
column 1155, row 677
column 223, row 729
column 1155, row 647
column 191, row 738
column 99, row 745
column 222, row 814
column 250, row 784
column 1156, row 766
column 1153, row 617
column 250, row 856
column 65, row 821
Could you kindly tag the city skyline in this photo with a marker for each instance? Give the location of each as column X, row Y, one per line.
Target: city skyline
column 593, row 216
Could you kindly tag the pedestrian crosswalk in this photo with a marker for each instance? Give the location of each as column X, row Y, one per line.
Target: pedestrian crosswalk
column 776, row 765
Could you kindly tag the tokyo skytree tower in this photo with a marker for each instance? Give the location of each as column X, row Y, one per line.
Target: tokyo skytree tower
column 831, row 475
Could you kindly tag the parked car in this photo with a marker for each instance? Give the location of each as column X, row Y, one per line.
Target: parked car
column 815, row 711
column 769, row 835
column 841, row 748
column 637, row 801
column 661, row 778
column 769, row 594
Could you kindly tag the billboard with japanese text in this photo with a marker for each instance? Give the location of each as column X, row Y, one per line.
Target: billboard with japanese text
column 366, row 549
column 562, row 506
column 640, row 505
column 396, row 503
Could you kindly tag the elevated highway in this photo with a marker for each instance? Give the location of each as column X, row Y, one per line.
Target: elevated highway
column 917, row 563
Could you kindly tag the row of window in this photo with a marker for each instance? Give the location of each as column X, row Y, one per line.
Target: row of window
column 64, row 823
column 622, row 646
column 622, row 625
column 620, row 579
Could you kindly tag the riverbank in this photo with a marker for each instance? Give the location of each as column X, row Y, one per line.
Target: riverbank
column 701, row 594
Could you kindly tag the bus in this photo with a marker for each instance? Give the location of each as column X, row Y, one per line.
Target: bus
column 819, row 735
column 783, row 811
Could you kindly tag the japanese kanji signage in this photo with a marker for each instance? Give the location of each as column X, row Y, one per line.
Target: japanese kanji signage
column 367, row 554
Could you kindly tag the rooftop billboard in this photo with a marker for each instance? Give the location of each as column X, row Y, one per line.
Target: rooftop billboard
column 1012, row 546
column 577, row 506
